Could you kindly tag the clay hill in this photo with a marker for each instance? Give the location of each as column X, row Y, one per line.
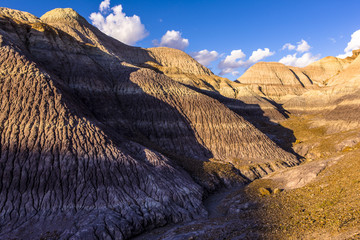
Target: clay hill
column 100, row 140
column 313, row 112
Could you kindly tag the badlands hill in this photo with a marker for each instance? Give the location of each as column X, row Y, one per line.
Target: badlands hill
column 318, row 199
column 328, row 87
column 100, row 140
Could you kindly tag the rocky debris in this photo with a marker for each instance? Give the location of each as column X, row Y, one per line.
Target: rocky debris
column 300, row 176
column 348, row 144
column 305, row 150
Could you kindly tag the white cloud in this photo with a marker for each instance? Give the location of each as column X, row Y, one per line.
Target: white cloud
column 345, row 55
column 236, row 60
column 304, row 60
column 354, row 42
column 124, row 28
column 232, row 62
column 352, row 45
column 104, row 5
column 235, row 73
column 288, row 46
column 172, row 39
column 303, row 46
column 205, row 57
column 233, row 59
column 260, row 54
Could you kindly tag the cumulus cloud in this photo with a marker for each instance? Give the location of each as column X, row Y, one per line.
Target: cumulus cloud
column 116, row 24
column 232, row 62
column 345, row 55
column 296, row 59
column 288, row 46
column 236, row 60
column 235, row 73
column 302, row 61
column 172, row 39
column 352, row 45
column 259, row 55
column 303, row 46
column 205, row 57
column 104, row 5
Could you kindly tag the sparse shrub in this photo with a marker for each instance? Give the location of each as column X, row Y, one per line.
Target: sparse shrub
column 277, row 191
column 347, row 149
column 264, row 191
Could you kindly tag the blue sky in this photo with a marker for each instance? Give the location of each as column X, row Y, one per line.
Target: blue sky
column 320, row 28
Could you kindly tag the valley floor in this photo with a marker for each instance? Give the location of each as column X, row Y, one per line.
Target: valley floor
column 320, row 199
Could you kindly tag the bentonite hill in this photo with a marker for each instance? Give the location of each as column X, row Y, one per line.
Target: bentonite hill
column 101, row 140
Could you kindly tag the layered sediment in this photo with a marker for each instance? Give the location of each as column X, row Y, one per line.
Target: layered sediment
column 95, row 135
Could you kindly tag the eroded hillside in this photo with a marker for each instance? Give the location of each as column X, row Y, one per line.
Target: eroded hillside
column 95, row 138
column 100, row 140
column 318, row 199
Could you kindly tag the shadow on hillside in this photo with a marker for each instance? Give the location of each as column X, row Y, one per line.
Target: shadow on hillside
column 253, row 113
column 278, row 107
column 95, row 85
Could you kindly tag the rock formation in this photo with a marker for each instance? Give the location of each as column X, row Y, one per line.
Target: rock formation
column 95, row 135
column 318, row 199
column 328, row 87
column 61, row 172
column 276, row 80
column 101, row 140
